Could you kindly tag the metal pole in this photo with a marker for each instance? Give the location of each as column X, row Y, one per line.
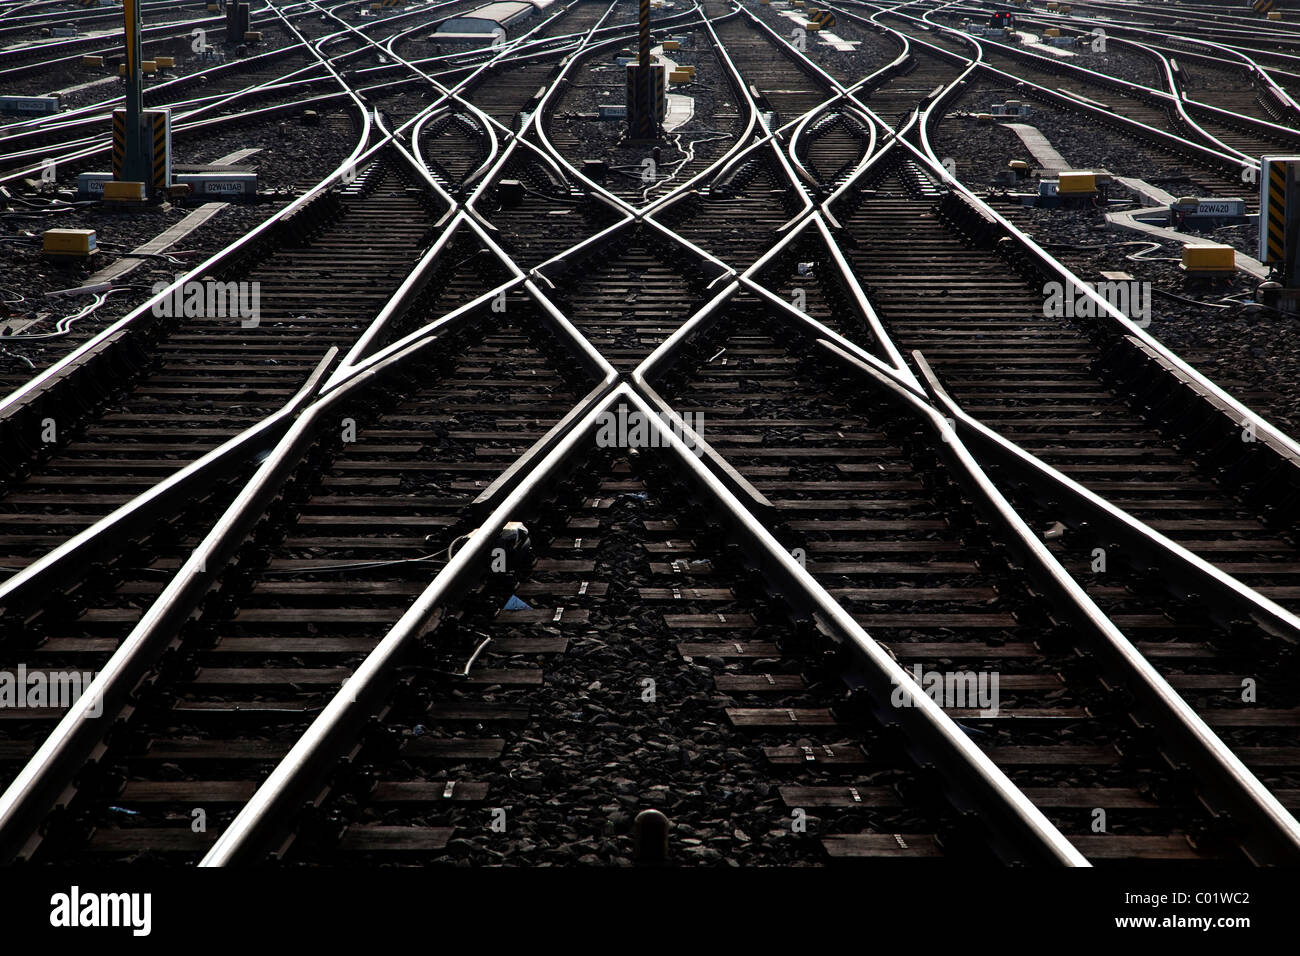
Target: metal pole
column 135, row 165
column 645, row 125
column 644, row 52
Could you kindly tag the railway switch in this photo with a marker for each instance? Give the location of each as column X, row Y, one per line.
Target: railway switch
column 1076, row 183
column 60, row 243
column 124, row 191
column 1209, row 259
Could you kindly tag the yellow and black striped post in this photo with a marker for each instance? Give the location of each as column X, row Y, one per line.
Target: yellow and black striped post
column 119, row 142
column 1273, row 235
column 1263, row 6
column 162, row 142
column 1279, row 217
column 158, row 159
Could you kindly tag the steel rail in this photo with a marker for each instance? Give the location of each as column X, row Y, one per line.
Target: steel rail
column 1155, row 37
column 1169, row 100
column 1063, row 96
column 50, row 772
column 1278, row 835
column 1028, row 835
column 81, row 43
column 101, row 111
column 59, row 371
column 1272, row 836
column 751, row 122
column 1279, row 443
column 1107, row 316
column 72, row 117
column 104, row 535
column 851, row 93
column 25, row 23
column 1181, row 571
column 360, row 154
column 768, row 141
column 544, row 105
column 1172, row 96
column 70, row 560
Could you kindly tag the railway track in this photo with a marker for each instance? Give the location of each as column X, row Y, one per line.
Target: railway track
column 627, row 641
column 443, row 616
column 864, row 500
column 197, row 382
column 348, row 553
column 1149, row 108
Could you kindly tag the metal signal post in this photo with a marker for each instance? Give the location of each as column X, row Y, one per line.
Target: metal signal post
column 136, row 164
column 642, row 100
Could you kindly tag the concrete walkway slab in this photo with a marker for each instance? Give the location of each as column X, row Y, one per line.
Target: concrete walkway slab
column 159, row 243
column 679, row 108
column 1035, row 42
column 165, row 240
column 1128, row 220
column 1043, row 152
column 1146, row 193
column 102, row 81
column 825, row 37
